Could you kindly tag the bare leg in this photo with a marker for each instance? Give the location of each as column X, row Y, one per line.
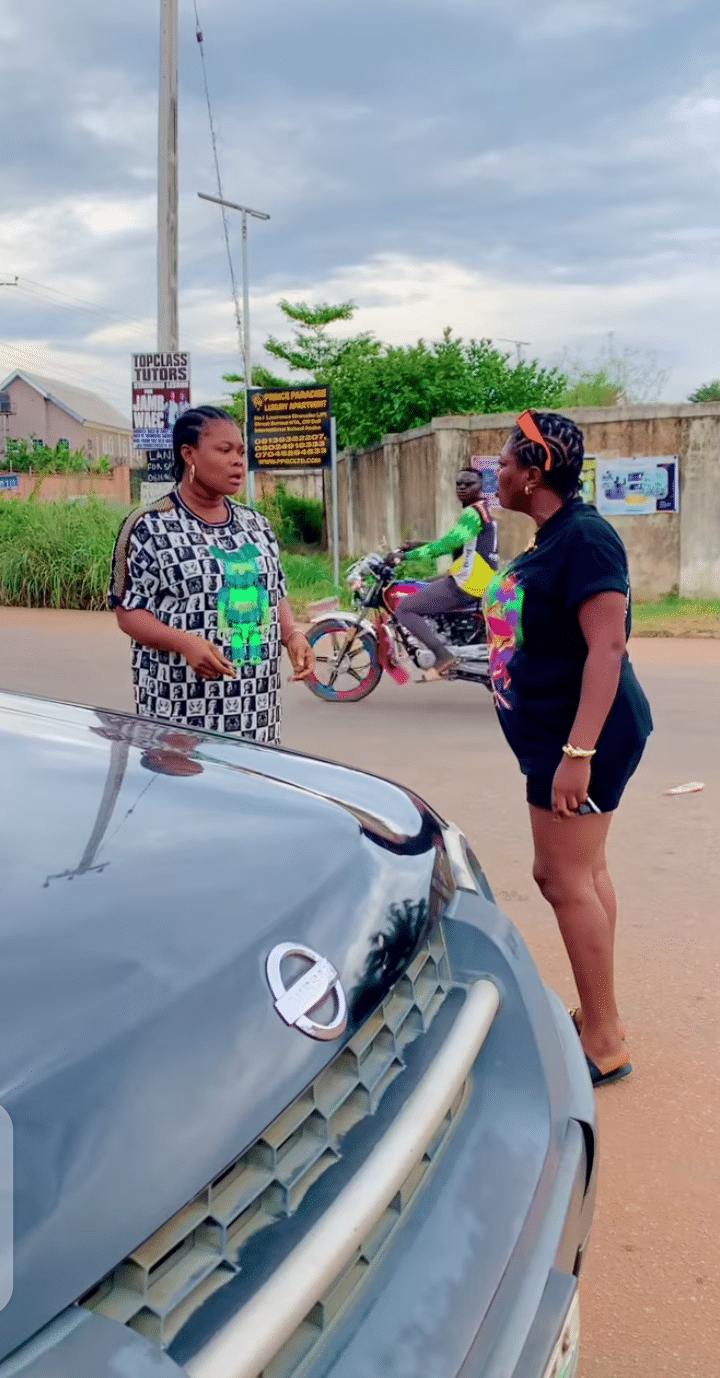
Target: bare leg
column 569, row 854
column 606, row 890
column 606, row 894
column 441, row 596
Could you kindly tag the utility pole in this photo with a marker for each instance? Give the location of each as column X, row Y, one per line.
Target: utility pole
column 4, row 415
column 247, row 365
column 167, row 313
column 517, row 343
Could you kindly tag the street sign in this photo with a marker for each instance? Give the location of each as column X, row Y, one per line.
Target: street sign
column 289, row 428
column 160, row 393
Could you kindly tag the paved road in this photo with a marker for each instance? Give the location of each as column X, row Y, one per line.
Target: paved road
column 651, row 1286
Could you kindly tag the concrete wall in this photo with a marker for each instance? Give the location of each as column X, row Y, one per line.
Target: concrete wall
column 303, row 485
column 700, row 517
column 405, row 489
column 114, row 487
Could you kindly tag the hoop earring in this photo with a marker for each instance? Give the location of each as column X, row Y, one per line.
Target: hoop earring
column 528, row 490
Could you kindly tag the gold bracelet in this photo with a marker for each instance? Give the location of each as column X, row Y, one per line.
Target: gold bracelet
column 577, row 753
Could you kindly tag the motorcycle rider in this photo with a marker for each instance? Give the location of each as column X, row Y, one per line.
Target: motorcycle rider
column 472, row 542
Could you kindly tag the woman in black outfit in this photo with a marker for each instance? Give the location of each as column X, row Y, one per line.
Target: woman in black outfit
column 569, row 704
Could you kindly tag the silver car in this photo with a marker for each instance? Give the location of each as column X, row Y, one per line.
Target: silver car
column 288, row 1095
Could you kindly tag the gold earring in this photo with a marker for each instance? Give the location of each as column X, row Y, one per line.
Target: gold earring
column 528, row 490
column 192, row 473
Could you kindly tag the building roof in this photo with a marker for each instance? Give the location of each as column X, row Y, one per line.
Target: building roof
column 85, row 407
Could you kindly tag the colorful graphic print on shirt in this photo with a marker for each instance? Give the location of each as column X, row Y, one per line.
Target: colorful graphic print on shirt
column 243, row 603
column 503, row 618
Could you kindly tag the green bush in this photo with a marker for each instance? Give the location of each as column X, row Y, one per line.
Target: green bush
column 295, row 520
column 29, row 457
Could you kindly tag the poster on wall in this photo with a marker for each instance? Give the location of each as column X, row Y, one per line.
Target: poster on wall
column 588, row 479
column 488, row 466
column 638, row 487
column 160, row 393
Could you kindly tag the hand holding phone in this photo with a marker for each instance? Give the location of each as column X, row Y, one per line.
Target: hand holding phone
column 588, row 807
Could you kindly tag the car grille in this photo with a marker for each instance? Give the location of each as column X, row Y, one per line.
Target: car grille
column 164, row 1282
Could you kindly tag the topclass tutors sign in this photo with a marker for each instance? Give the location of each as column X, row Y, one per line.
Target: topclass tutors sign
column 160, row 392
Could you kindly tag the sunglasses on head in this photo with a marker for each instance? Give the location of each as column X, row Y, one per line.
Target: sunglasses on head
column 530, row 429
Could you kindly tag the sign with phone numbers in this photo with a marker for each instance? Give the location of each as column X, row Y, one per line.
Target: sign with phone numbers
column 289, row 428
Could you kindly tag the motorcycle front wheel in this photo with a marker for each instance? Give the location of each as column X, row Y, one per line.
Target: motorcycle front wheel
column 343, row 673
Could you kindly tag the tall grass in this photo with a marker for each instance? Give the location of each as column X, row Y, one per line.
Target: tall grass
column 310, row 577
column 56, row 554
column 59, row 555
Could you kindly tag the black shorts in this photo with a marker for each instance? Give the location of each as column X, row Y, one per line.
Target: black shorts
column 608, row 779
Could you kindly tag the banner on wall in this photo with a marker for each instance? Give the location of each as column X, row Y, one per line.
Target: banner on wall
column 638, row 487
column 488, row 465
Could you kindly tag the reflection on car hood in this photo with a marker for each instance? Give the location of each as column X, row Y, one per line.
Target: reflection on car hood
column 146, row 876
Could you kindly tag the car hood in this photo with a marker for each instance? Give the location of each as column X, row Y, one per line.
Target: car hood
column 146, row 876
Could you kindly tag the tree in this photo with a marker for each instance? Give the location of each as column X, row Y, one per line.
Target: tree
column 709, row 392
column 379, row 388
column 313, row 351
column 402, row 387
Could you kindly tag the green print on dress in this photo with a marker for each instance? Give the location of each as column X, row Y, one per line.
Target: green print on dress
column 243, row 604
column 503, row 618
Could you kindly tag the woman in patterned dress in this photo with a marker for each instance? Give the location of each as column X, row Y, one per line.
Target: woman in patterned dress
column 198, row 586
column 569, row 704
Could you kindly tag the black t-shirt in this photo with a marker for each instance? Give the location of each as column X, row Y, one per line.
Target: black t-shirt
column 537, row 648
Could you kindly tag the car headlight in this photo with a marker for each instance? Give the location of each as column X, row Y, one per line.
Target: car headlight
column 467, row 872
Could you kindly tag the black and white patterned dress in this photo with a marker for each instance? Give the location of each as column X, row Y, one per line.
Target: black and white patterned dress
column 187, row 572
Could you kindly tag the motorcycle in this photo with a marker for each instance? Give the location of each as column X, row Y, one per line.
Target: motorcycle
column 354, row 649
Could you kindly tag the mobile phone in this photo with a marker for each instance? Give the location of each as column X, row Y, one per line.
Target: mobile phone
column 588, row 807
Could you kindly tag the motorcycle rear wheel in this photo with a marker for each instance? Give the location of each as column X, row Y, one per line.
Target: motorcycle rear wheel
column 343, row 676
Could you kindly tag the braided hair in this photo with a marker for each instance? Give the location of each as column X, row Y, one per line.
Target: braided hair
column 188, row 429
column 566, row 446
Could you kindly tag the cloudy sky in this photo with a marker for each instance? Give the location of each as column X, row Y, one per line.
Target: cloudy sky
column 537, row 170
